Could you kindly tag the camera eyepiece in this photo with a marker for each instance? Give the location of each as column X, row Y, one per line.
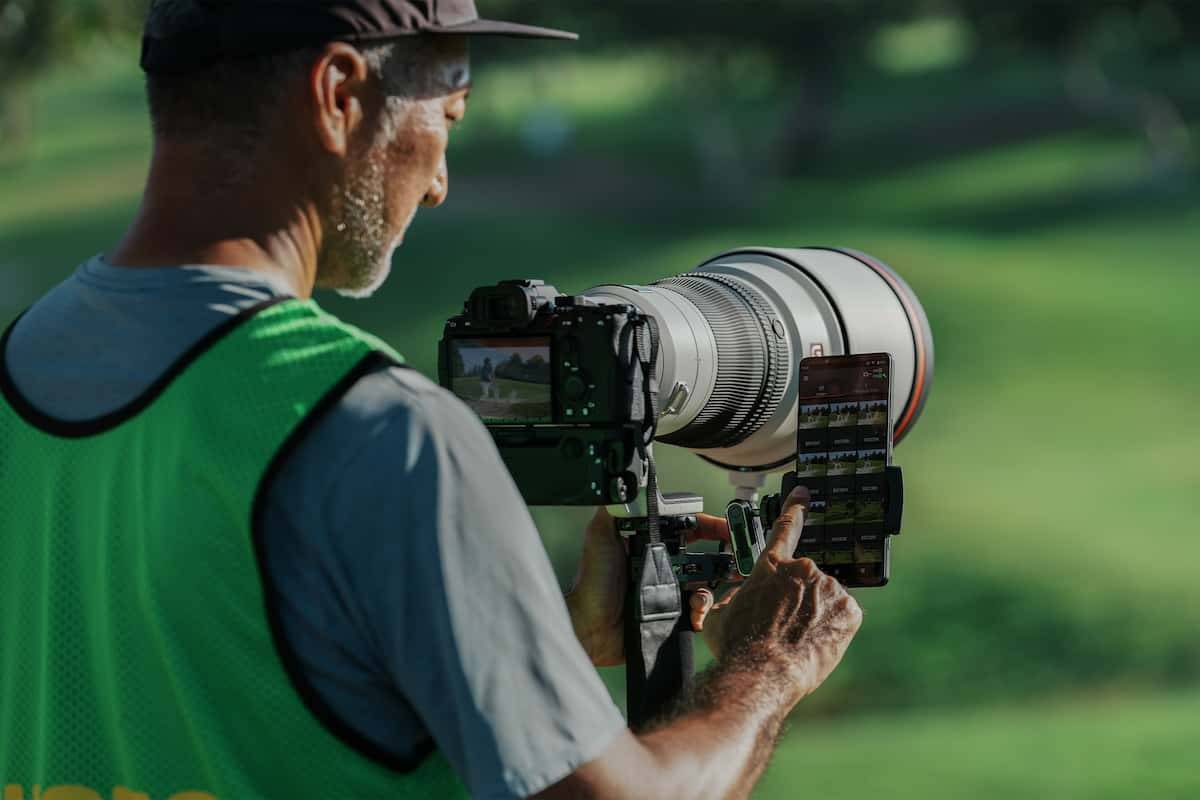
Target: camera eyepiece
column 514, row 302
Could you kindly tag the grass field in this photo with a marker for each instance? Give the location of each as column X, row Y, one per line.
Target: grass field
column 1041, row 635
column 507, row 399
column 1110, row 749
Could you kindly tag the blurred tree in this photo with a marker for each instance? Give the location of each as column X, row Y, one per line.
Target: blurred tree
column 809, row 47
column 26, row 32
column 1079, row 36
column 35, row 34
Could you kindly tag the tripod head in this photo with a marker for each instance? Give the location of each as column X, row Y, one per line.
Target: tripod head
column 677, row 517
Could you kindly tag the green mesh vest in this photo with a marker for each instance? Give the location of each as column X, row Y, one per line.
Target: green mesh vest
column 140, row 656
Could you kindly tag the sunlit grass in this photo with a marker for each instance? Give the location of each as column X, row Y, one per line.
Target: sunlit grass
column 925, row 43
column 1104, row 748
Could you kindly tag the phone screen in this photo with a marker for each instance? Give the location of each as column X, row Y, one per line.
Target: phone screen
column 844, row 442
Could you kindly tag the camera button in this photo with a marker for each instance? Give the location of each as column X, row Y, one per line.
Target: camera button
column 614, row 459
column 574, row 388
column 618, row 490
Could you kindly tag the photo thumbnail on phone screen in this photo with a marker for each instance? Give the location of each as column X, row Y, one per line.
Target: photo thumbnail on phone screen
column 504, row 379
column 842, row 447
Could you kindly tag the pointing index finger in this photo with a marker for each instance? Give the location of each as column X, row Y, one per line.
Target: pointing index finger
column 786, row 533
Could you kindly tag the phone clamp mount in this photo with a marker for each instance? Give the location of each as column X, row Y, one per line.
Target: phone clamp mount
column 663, row 574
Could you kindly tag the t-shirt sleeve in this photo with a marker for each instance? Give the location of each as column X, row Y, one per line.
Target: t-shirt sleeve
column 462, row 604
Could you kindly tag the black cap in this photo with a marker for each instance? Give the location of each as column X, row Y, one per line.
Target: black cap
column 211, row 30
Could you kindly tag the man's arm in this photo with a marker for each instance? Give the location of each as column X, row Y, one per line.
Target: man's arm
column 454, row 592
column 718, row 748
column 776, row 641
column 439, row 610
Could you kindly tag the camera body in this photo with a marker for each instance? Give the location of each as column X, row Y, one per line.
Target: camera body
column 564, row 384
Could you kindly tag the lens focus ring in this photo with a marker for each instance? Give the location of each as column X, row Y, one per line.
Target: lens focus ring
column 752, row 360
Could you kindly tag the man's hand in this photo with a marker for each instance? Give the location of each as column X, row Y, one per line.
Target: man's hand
column 788, row 611
column 777, row 638
column 597, row 600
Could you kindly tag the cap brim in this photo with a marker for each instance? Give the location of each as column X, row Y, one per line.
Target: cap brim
column 491, row 27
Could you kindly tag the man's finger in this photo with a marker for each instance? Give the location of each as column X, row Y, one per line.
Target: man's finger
column 601, row 522
column 709, row 529
column 726, row 599
column 786, row 533
column 701, row 603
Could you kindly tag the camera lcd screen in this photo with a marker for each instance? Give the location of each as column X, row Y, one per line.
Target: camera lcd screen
column 843, row 446
column 504, row 379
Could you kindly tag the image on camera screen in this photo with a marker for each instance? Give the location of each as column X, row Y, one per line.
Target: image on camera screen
column 812, row 465
column 870, row 462
column 873, row 412
column 839, row 512
column 844, row 463
column 869, row 510
column 843, row 415
column 814, row 416
column 504, row 379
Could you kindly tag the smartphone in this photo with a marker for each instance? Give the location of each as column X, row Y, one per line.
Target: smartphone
column 843, row 451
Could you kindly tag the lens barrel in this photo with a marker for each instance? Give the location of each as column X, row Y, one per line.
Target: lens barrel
column 734, row 330
column 752, row 360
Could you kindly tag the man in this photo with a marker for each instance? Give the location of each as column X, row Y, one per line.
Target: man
column 487, row 379
column 244, row 554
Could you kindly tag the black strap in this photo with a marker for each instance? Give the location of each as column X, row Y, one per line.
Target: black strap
column 658, row 644
column 658, row 639
column 646, row 351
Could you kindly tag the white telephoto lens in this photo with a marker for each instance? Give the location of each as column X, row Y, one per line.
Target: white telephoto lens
column 733, row 332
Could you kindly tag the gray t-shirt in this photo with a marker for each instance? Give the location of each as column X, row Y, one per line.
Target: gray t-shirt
column 412, row 584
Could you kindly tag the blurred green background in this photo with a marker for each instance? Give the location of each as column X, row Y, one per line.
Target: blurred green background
column 1029, row 167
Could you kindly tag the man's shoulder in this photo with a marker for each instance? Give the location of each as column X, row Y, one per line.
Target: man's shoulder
column 400, row 391
column 394, row 418
column 393, row 431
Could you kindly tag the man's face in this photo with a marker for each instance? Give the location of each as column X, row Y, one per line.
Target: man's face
column 397, row 164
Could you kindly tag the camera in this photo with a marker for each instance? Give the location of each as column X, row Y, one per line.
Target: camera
column 575, row 389
column 565, row 385
column 566, row 405
column 816, row 360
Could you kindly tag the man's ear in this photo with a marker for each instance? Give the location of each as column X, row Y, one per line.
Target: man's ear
column 339, row 89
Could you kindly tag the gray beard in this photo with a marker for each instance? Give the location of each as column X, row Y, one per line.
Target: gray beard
column 359, row 249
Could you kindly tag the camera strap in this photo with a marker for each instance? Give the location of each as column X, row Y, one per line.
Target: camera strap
column 657, row 654
column 646, row 345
